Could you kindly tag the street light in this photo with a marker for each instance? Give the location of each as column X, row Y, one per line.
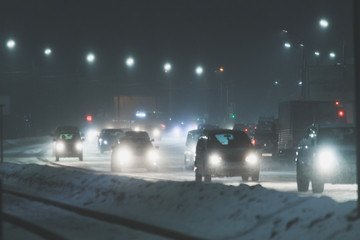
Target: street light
column 317, row 53
column 287, row 45
column 167, row 67
column 47, row 51
column 332, row 55
column 130, row 62
column 10, row 44
column 90, row 57
column 323, row 23
column 199, row 70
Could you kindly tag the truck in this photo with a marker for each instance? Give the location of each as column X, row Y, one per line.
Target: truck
column 266, row 135
column 295, row 116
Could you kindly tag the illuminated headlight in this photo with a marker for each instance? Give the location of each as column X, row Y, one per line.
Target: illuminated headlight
column 137, row 128
column 60, row 147
column 153, row 155
column 215, row 159
column 105, row 142
column 156, row 132
column 79, row 146
column 326, row 160
column 177, row 131
column 123, row 155
column 251, row 159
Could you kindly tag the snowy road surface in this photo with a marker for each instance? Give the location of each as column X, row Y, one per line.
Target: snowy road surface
column 225, row 209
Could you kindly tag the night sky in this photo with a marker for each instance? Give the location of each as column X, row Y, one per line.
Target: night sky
column 243, row 37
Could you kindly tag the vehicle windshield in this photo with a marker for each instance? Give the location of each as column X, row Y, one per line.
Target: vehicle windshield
column 229, row 140
column 113, row 133
column 338, row 136
column 136, row 142
column 69, row 136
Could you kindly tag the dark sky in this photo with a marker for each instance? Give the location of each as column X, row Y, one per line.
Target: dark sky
column 242, row 36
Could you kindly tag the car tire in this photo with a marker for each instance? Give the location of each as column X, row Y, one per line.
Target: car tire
column 114, row 168
column 198, row 176
column 245, row 178
column 255, row 176
column 317, row 185
column 302, row 180
column 207, row 178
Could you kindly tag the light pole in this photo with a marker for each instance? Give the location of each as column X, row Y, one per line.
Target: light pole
column 167, row 68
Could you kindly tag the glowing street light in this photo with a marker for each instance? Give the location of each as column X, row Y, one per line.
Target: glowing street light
column 10, row 44
column 199, row 70
column 167, row 67
column 317, row 53
column 221, row 69
column 90, row 57
column 323, row 23
column 332, row 55
column 130, row 62
column 47, row 51
column 287, row 45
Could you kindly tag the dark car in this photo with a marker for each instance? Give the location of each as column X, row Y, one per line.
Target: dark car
column 155, row 131
column 326, row 154
column 108, row 138
column 135, row 149
column 190, row 146
column 224, row 153
column 68, row 144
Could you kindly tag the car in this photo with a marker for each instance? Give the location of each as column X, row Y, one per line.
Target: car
column 108, row 138
column 135, row 149
column 68, row 144
column 226, row 153
column 326, row 154
column 190, row 146
column 155, row 131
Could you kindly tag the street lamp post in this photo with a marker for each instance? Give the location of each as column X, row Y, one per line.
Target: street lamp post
column 167, row 68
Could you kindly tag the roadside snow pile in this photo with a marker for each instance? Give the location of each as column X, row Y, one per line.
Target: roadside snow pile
column 211, row 211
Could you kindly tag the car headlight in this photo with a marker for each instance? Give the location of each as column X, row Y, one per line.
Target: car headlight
column 79, row 146
column 326, row 160
column 123, row 155
column 252, row 159
column 215, row 159
column 60, row 146
column 156, row 132
column 105, row 142
column 153, row 155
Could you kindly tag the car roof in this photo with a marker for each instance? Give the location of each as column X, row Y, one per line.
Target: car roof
column 137, row 134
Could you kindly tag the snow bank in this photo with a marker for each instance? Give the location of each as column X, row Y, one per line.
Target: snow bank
column 211, row 211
